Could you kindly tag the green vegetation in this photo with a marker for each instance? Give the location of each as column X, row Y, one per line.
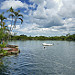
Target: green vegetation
column 15, row 15
column 5, row 31
column 3, row 52
column 3, row 45
column 3, row 34
column 3, row 27
column 24, row 37
column 71, row 37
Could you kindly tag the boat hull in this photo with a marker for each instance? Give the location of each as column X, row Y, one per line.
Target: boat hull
column 44, row 44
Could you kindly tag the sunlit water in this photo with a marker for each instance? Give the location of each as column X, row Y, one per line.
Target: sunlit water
column 34, row 59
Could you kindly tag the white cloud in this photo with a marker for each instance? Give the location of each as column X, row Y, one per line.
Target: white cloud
column 34, row 30
column 14, row 3
column 17, row 27
column 46, row 14
column 50, row 17
column 55, row 13
column 68, row 8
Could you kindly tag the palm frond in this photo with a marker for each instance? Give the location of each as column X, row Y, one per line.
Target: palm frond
column 18, row 10
column 10, row 10
column 4, row 18
column 2, row 12
column 21, row 20
column 20, row 15
column 11, row 15
column 16, row 13
column 3, row 24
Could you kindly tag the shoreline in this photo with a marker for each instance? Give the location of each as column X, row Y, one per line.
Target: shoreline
column 10, row 50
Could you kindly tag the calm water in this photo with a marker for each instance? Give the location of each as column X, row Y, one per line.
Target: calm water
column 34, row 59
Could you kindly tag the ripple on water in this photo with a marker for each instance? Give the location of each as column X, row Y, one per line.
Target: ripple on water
column 35, row 60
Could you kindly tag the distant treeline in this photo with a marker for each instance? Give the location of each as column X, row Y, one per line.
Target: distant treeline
column 24, row 37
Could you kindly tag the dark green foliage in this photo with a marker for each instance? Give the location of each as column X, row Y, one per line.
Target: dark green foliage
column 3, row 45
column 71, row 37
column 24, row 37
column 19, row 38
column 3, row 34
column 3, row 51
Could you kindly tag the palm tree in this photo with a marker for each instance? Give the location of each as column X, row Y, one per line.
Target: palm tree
column 15, row 16
column 2, row 18
column 3, row 28
column 11, row 10
column 11, row 15
column 18, row 16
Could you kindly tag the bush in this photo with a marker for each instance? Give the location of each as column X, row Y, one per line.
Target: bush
column 2, row 45
column 3, row 52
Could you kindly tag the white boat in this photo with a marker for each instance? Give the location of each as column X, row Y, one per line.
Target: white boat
column 45, row 44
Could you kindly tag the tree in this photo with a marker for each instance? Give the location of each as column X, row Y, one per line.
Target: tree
column 15, row 15
column 12, row 16
column 18, row 16
column 2, row 18
column 3, row 27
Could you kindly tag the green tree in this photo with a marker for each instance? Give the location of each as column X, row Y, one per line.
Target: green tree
column 15, row 15
column 11, row 10
column 3, row 26
column 18, row 16
column 2, row 18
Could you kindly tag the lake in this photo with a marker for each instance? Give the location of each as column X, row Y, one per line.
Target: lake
column 34, row 59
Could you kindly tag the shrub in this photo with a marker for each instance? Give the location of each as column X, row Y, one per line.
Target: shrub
column 3, row 45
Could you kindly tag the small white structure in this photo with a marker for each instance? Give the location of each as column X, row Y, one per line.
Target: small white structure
column 45, row 44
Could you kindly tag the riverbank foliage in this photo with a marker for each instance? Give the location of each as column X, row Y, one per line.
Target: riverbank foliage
column 3, row 52
column 5, row 30
column 3, row 45
column 24, row 37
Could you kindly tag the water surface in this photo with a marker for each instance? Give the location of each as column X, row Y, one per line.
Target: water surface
column 34, row 59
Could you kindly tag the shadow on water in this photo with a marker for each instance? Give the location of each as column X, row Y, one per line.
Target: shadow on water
column 3, row 68
column 5, row 65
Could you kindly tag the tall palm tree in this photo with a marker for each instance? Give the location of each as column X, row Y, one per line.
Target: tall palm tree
column 3, row 28
column 12, row 16
column 18, row 16
column 15, row 15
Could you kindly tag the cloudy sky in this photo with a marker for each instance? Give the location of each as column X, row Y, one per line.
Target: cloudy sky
column 43, row 17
